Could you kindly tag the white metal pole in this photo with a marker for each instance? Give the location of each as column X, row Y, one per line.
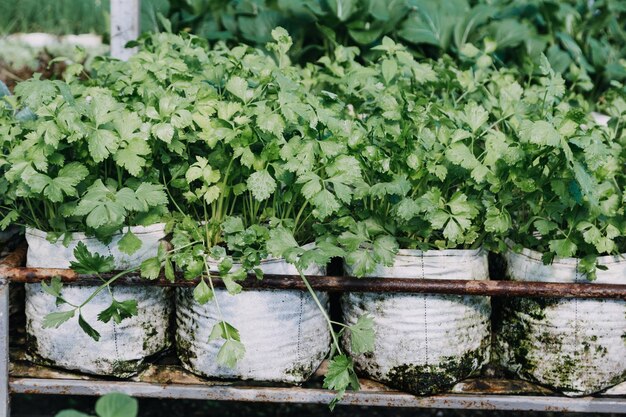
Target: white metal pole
column 5, row 400
column 124, row 27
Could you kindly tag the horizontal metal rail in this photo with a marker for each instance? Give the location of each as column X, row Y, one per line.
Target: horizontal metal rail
column 483, row 396
column 12, row 270
column 318, row 396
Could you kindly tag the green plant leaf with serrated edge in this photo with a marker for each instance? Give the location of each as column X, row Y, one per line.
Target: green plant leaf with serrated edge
column 151, row 268
column 202, row 293
column 231, row 352
column 223, row 330
column 340, row 376
column 91, row 332
column 362, row 335
column 129, row 243
column 57, row 318
column 118, row 311
column 90, row 263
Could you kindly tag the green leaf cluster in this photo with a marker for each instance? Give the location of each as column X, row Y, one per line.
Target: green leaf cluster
column 82, row 163
column 583, row 40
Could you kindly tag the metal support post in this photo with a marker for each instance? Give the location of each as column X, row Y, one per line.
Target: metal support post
column 5, row 410
column 124, row 27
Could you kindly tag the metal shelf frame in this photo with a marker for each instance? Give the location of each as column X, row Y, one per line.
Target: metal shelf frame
column 125, row 27
column 373, row 394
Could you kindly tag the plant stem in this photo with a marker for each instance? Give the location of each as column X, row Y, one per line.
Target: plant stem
column 322, row 310
column 106, row 284
column 217, row 304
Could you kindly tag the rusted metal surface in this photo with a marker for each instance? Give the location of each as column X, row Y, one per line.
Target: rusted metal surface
column 317, row 396
column 16, row 258
column 11, row 268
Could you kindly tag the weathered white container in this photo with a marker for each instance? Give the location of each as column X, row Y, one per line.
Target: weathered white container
column 284, row 333
column 425, row 342
column 123, row 347
column 576, row 346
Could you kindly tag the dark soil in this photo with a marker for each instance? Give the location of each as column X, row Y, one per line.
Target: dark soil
column 11, row 76
column 40, row 406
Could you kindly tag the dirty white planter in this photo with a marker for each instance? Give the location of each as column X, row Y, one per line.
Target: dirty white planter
column 425, row 342
column 122, row 347
column 576, row 346
column 285, row 335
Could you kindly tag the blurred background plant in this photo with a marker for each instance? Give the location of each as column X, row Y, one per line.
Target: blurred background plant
column 583, row 39
column 109, row 405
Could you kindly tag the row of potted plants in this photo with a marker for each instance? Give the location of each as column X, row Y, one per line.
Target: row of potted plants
column 402, row 167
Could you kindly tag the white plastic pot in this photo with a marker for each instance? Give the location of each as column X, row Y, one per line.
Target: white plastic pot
column 575, row 346
column 123, row 347
column 285, row 335
column 424, row 343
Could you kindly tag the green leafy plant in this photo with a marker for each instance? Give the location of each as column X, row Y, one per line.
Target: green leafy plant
column 431, row 181
column 89, row 264
column 457, row 158
column 109, row 405
column 75, row 159
column 251, row 159
column 570, row 187
column 83, row 164
column 247, row 156
column 583, row 40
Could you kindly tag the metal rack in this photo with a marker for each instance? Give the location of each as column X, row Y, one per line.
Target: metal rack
column 166, row 379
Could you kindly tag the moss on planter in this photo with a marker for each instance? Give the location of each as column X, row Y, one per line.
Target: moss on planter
column 514, row 333
column 430, row 379
column 149, row 331
column 184, row 351
column 125, row 369
column 32, row 349
column 521, row 346
column 299, row 372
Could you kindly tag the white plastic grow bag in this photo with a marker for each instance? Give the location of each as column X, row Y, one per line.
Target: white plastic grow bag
column 576, row 346
column 425, row 343
column 122, row 347
column 284, row 333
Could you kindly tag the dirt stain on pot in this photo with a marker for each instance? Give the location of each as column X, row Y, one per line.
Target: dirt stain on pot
column 431, row 379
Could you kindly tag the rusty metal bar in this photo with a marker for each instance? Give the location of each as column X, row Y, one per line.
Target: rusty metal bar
column 344, row 284
column 16, row 258
column 10, row 268
column 318, row 396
